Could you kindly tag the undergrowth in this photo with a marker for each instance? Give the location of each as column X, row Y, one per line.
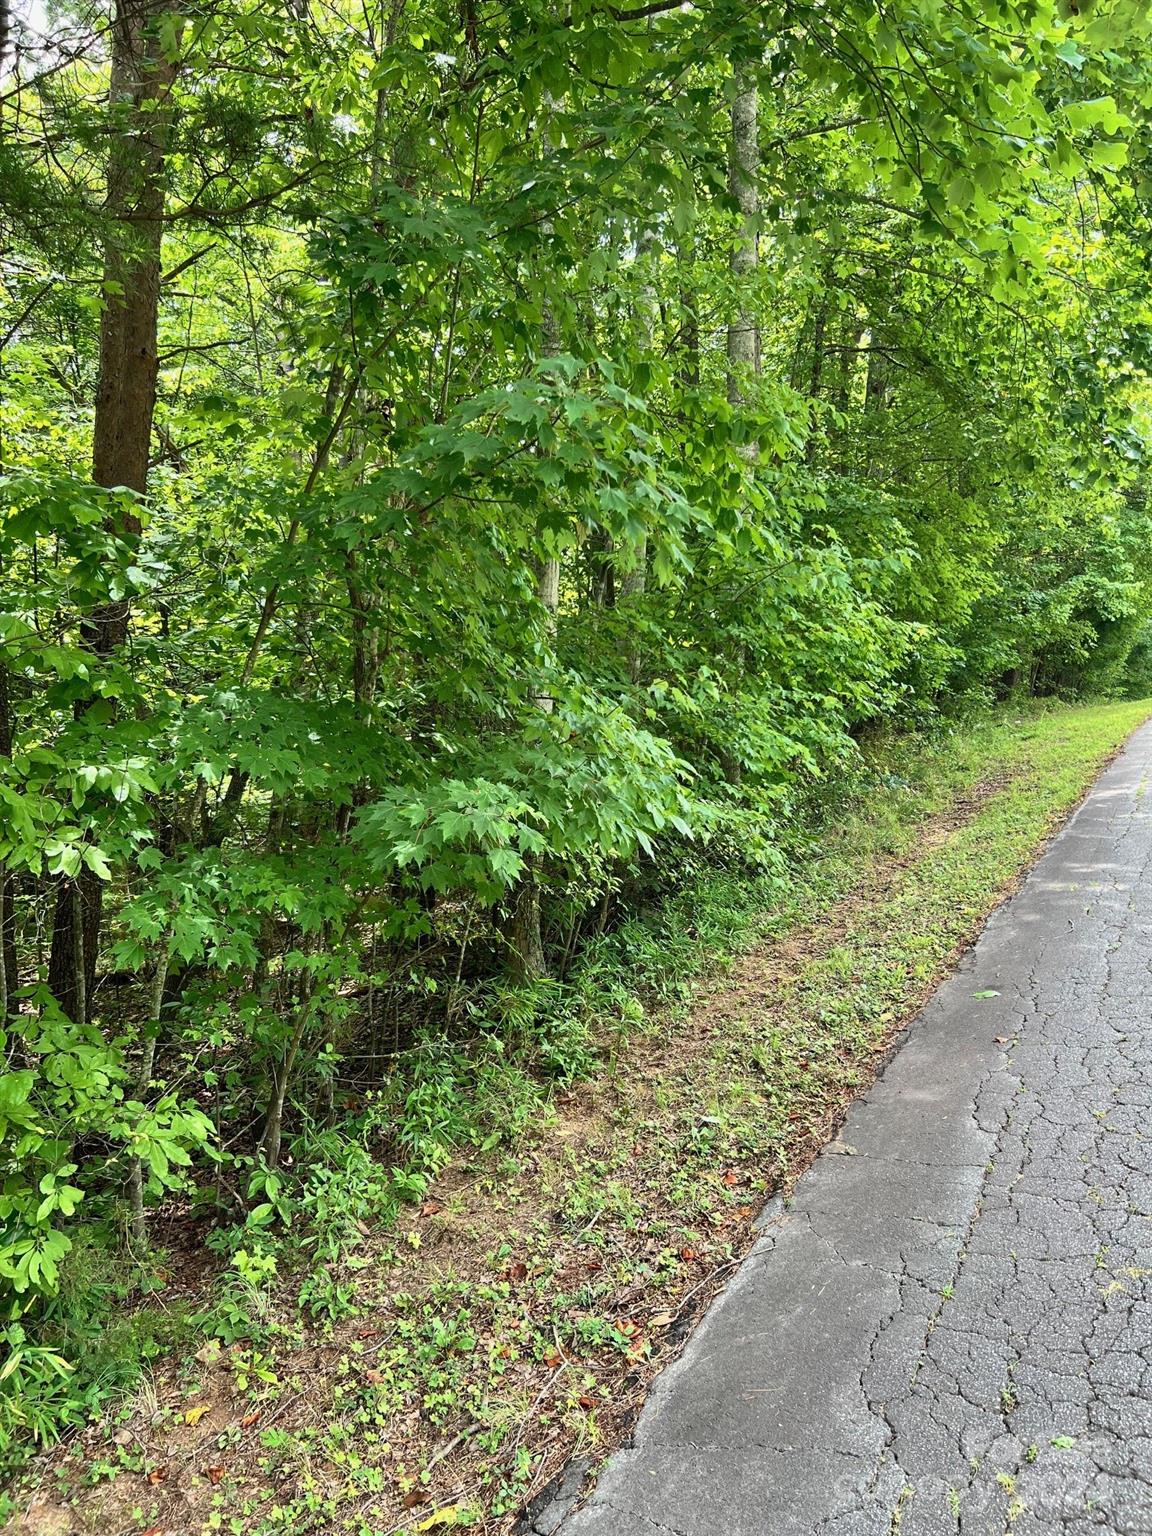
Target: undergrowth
column 560, row 1233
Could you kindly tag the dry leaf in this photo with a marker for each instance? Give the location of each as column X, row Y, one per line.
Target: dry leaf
column 158, row 1475
column 431, row 1208
column 661, row 1320
column 122, row 1437
column 250, row 1418
column 215, row 1475
column 194, row 1415
column 416, row 1497
column 688, row 1254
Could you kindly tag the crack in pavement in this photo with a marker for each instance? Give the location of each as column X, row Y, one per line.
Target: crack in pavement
column 951, row 1331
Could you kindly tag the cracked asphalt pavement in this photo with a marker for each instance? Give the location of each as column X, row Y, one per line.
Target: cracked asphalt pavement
column 949, row 1328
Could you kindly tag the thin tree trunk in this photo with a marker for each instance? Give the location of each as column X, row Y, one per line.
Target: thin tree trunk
column 9, row 971
column 274, row 1117
column 876, row 387
column 743, row 333
column 689, row 348
column 139, row 1224
column 522, row 930
column 816, row 366
column 634, row 579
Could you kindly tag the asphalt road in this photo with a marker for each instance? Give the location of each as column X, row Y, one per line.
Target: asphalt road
column 949, row 1329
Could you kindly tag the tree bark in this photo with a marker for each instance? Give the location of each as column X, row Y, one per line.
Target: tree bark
column 522, row 928
column 689, row 345
column 744, row 168
column 139, row 1223
column 9, row 971
column 876, row 387
column 274, row 1116
column 634, row 579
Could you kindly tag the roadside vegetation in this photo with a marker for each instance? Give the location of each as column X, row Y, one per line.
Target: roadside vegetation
column 360, row 1365
column 502, row 506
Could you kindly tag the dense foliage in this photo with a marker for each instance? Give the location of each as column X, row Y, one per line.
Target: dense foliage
column 463, row 467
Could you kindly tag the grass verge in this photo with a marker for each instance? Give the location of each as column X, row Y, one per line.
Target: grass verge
column 514, row 1317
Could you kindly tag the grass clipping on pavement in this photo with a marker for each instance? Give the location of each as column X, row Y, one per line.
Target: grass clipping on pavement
column 515, row 1319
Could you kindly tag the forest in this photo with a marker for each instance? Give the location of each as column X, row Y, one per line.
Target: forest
column 473, row 475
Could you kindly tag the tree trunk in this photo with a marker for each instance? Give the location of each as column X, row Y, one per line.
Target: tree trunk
column 744, row 168
column 689, row 346
column 141, row 80
column 816, row 369
column 9, row 971
column 634, row 579
column 522, row 929
column 876, row 388
column 139, row 1224
column 274, row 1116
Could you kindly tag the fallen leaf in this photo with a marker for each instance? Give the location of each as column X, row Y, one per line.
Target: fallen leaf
column 154, row 1530
column 416, row 1497
column 516, row 1271
column 215, row 1475
column 447, row 1514
column 585, row 1401
column 688, row 1254
column 731, row 1177
column 375, row 1378
column 431, row 1208
column 988, row 992
column 661, row 1320
column 553, row 1358
column 122, row 1437
column 1001, row 1040
column 209, row 1354
column 250, row 1418
column 194, row 1415
column 158, row 1475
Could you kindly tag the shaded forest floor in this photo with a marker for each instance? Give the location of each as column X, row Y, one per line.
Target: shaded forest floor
column 514, row 1319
